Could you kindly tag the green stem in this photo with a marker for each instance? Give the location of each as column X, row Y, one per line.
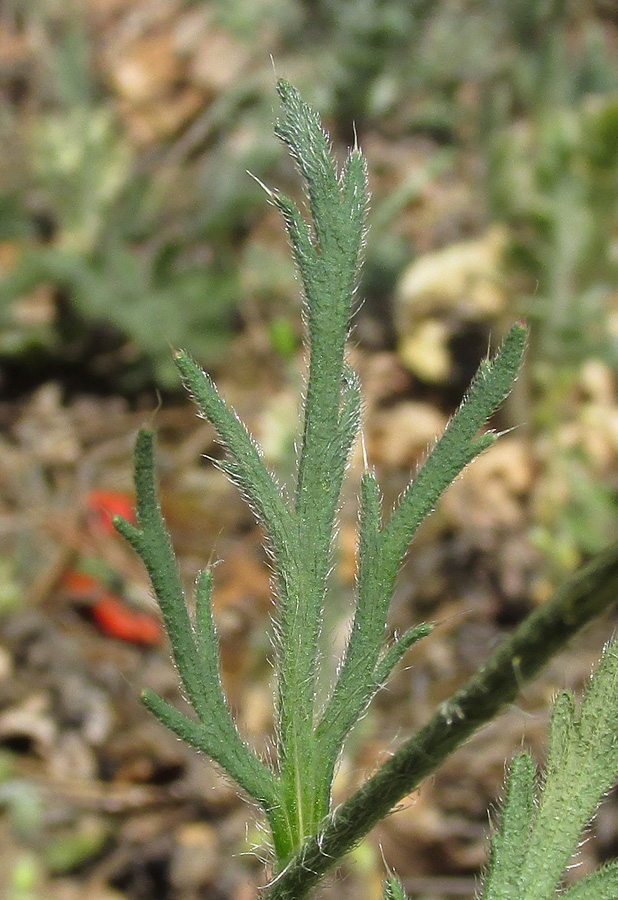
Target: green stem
column 543, row 633
column 327, row 261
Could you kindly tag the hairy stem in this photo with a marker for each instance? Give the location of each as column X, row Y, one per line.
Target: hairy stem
column 543, row 633
column 327, row 258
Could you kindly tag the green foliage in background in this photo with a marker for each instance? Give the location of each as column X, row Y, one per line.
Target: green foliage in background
column 118, row 255
column 294, row 789
column 133, row 231
column 552, row 178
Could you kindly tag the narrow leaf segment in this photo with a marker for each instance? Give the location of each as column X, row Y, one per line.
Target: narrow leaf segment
column 382, row 550
column 541, row 827
column 393, row 889
column 327, row 256
column 194, row 648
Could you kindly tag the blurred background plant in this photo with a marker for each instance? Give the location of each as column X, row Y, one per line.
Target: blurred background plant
column 552, row 178
column 101, row 247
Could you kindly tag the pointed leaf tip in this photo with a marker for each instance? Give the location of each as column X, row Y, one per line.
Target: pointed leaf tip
column 284, row 89
column 393, row 889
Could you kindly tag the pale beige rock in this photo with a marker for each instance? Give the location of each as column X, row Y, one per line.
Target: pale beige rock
column 418, row 818
column 31, row 720
column 382, row 377
column 466, row 275
column 255, row 717
column 191, row 27
column 399, row 437
column 218, row 61
column 490, row 494
column 440, row 291
column 73, row 759
column 47, row 430
column 36, row 309
column 597, row 380
column 425, row 351
column 146, row 69
column 195, row 858
column 162, row 118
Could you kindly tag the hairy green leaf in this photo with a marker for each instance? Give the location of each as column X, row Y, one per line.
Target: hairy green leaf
column 393, row 889
column 535, row 842
column 600, row 885
column 509, row 844
column 196, row 655
column 530, row 850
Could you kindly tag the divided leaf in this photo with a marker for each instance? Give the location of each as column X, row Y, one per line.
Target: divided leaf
column 395, row 653
column 533, row 845
column 509, row 844
column 532, row 849
column 327, row 257
column 244, row 465
column 456, row 448
column 195, row 650
column 382, row 550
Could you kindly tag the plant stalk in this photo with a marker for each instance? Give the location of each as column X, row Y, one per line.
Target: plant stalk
column 543, row 633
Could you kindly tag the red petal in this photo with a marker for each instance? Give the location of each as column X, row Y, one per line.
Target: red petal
column 79, row 584
column 104, row 505
column 116, row 620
